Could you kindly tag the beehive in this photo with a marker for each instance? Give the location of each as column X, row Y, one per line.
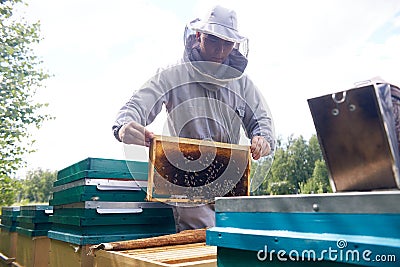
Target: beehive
column 33, row 244
column 94, row 195
column 277, row 230
column 8, row 235
column 98, row 179
column 33, row 220
column 100, row 168
column 93, row 222
column 190, row 170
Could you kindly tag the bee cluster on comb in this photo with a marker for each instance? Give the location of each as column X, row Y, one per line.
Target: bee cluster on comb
column 190, row 170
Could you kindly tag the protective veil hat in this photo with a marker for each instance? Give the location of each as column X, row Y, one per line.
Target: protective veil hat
column 221, row 22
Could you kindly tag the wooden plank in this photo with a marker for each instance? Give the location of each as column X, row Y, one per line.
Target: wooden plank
column 32, row 251
column 68, row 255
column 152, row 156
column 198, row 142
column 6, row 260
column 184, row 237
column 175, row 254
column 8, row 244
column 196, row 255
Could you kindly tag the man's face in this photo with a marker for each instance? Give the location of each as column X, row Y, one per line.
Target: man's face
column 214, row 49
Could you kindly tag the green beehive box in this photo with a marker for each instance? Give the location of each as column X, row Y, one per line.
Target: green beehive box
column 9, row 222
column 95, row 213
column 9, row 217
column 35, row 226
column 34, row 220
column 12, row 211
column 127, row 229
column 87, row 221
column 94, row 174
column 89, row 189
column 85, row 239
column 36, row 211
column 103, row 168
column 6, row 228
column 30, row 232
column 82, row 218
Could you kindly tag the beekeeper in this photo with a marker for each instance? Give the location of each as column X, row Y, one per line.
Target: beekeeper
column 207, row 96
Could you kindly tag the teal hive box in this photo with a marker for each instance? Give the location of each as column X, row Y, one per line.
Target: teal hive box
column 99, row 168
column 12, row 211
column 341, row 229
column 92, row 221
column 89, row 189
column 34, row 220
column 102, row 200
column 96, row 179
column 9, row 217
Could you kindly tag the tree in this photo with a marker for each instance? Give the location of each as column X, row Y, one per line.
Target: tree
column 38, row 185
column 8, row 190
column 319, row 182
column 298, row 167
column 20, row 76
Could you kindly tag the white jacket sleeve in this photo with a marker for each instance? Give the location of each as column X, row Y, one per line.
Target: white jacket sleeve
column 145, row 103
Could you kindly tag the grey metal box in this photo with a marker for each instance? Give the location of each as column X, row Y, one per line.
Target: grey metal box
column 357, row 135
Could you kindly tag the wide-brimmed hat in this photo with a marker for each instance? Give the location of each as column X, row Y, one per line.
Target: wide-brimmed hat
column 221, row 22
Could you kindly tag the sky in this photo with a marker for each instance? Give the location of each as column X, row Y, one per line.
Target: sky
column 100, row 51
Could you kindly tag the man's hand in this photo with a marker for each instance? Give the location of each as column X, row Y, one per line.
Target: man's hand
column 259, row 147
column 136, row 134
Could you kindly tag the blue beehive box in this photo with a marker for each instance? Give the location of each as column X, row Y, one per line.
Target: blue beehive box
column 342, row 229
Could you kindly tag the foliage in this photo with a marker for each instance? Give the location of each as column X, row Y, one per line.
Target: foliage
column 38, row 185
column 298, row 167
column 8, row 191
column 318, row 183
column 20, row 76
